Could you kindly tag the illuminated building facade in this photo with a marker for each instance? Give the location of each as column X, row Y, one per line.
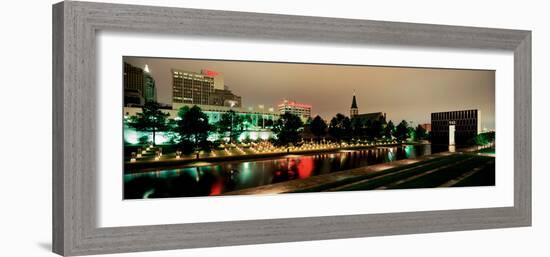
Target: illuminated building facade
column 149, row 89
column 257, row 122
column 191, row 88
column 219, row 81
column 299, row 109
column 455, row 127
column 206, row 88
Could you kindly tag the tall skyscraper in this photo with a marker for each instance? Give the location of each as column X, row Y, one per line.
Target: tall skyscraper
column 150, row 91
column 133, row 85
column 205, row 88
column 191, row 88
column 133, row 77
column 219, row 81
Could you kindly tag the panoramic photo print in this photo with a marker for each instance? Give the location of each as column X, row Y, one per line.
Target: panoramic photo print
column 197, row 127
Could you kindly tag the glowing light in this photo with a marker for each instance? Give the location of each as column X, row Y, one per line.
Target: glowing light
column 305, row 167
column 146, row 69
column 133, row 160
column 216, row 188
column 293, row 104
column 148, row 193
column 210, row 73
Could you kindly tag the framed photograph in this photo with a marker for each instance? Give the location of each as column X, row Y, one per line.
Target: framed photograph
column 182, row 128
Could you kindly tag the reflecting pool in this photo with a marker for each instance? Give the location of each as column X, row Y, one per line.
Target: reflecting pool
column 213, row 179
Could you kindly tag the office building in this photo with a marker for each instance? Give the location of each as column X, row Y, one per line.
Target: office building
column 219, row 81
column 132, row 98
column 133, row 84
column 455, row 127
column 224, row 97
column 149, row 89
column 205, row 88
column 258, row 122
column 139, row 85
column 191, row 88
column 299, row 109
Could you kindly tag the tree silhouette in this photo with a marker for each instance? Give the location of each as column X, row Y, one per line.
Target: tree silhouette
column 151, row 119
column 375, row 128
column 230, row 123
column 287, row 129
column 318, row 127
column 389, row 130
column 401, row 131
column 420, row 132
column 340, row 127
column 268, row 123
column 193, row 128
column 358, row 127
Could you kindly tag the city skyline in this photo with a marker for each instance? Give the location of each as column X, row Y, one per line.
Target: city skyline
column 410, row 94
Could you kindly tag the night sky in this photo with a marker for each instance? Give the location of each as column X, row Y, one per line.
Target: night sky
column 410, row 94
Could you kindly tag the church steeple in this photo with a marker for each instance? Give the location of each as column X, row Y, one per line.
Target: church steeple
column 354, row 111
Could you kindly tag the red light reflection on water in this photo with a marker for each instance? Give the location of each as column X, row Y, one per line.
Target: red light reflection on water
column 217, row 188
column 296, row 168
column 305, row 167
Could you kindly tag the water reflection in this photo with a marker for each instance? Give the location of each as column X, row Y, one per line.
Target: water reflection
column 229, row 176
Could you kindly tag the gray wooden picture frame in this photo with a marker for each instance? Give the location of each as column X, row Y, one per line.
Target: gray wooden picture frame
column 75, row 25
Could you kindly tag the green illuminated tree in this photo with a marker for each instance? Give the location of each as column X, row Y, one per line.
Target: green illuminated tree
column 193, row 128
column 247, row 121
column 483, row 139
column 151, row 119
column 318, row 127
column 287, row 129
column 232, row 124
column 402, row 131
